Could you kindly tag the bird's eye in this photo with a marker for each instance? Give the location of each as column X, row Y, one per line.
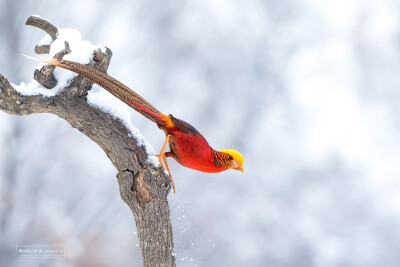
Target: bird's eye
column 239, row 162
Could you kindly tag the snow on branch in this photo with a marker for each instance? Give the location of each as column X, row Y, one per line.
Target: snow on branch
column 49, row 81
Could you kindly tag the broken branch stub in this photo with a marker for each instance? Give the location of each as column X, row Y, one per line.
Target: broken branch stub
column 45, row 76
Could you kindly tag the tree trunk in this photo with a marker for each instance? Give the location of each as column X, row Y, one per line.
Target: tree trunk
column 143, row 186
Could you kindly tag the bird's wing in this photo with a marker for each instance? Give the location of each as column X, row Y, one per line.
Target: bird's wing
column 183, row 126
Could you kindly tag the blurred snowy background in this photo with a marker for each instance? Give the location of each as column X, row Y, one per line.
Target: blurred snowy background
column 307, row 90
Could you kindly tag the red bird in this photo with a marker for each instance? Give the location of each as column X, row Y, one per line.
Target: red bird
column 187, row 146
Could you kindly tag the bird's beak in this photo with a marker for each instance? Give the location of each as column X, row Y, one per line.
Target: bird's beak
column 241, row 169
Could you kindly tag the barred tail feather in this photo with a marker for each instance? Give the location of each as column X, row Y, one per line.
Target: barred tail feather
column 115, row 87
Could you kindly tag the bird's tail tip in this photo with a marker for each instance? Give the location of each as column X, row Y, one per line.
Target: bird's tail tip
column 50, row 60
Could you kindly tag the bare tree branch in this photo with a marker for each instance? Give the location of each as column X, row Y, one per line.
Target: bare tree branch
column 142, row 186
column 43, row 24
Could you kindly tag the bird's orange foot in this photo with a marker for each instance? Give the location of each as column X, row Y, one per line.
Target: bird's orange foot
column 161, row 158
column 172, row 182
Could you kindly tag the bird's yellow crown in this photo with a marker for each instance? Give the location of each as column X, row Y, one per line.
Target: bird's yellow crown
column 235, row 155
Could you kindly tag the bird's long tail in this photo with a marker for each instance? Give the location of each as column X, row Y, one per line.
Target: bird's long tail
column 115, row 87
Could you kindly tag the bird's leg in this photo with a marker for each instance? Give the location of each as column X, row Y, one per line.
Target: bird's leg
column 159, row 156
column 164, row 158
column 170, row 176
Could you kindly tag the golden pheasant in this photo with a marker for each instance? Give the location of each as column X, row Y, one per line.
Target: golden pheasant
column 187, row 146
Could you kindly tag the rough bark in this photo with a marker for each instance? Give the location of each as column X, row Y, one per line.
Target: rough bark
column 143, row 187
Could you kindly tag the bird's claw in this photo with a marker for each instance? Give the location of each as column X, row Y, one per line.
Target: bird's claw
column 162, row 157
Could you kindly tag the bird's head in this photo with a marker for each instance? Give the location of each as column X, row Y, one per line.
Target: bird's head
column 237, row 162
